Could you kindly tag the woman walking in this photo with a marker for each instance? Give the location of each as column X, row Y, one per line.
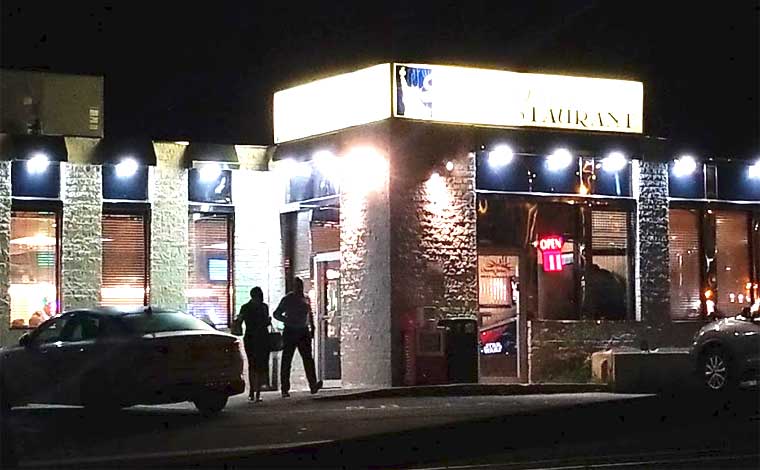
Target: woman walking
column 255, row 315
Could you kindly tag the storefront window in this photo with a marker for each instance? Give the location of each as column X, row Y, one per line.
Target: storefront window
column 685, row 252
column 557, row 276
column 34, row 267
column 124, row 260
column 607, row 270
column 208, row 293
column 732, row 255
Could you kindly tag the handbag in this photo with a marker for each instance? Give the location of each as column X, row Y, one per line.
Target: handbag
column 274, row 338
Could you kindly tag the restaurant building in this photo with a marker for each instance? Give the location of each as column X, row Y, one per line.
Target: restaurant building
column 533, row 206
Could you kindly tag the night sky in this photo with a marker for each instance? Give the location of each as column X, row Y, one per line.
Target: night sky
column 206, row 71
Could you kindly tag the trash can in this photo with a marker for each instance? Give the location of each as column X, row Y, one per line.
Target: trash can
column 461, row 349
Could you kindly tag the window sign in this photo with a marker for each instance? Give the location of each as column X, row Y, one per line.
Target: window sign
column 551, row 252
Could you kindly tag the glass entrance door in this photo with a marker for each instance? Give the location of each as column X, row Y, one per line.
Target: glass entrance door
column 499, row 318
column 327, row 271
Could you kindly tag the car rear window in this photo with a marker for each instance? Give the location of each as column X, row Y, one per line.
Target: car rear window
column 144, row 323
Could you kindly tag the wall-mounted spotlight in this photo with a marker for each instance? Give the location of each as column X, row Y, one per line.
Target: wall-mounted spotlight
column 126, row 167
column 753, row 172
column 327, row 164
column 614, row 162
column 292, row 168
column 209, row 172
column 37, row 164
column 559, row 160
column 500, row 156
column 684, row 166
column 449, row 166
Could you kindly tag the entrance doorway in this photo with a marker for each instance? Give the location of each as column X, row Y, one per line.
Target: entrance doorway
column 500, row 322
column 327, row 317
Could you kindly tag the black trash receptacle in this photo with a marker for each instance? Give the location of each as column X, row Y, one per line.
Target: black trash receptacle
column 461, row 349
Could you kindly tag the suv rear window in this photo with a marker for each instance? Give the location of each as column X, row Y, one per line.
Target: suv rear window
column 144, row 323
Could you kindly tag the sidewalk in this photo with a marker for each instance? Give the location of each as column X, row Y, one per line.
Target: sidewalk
column 461, row 390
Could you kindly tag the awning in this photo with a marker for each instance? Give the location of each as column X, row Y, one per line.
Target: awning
column 206, row 152
column 24, row 147
column 112, row 151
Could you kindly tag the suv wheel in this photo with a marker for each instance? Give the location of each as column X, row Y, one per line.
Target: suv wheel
column 210, row 403
column 715, row 370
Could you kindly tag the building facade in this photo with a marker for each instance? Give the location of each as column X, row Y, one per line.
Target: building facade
column 521, row 221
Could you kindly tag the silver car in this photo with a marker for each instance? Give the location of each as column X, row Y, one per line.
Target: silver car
column 726, row 352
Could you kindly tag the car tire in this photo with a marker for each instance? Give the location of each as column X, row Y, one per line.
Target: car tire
column 210, row 403
column 715, row 370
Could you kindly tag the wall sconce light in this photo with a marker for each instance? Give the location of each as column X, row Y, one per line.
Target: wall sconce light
column 126, row 167
column 500, row 156
column 37, row 164
column 614, row 162
column 684, row 166
column 559, row 160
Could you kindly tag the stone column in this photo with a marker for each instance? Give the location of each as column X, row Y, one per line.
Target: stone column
column 169, row 227
column 652, row 258
column 365, row 239
column 81, row 236
column 5, row 256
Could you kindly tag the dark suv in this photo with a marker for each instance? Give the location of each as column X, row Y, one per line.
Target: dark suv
column 727, row 351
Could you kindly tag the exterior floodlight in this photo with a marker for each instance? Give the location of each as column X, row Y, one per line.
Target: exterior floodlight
column 126, row 168
column 449, row 166
column 294, row 169
column 37, row 164
column 500, row 156
column 559, row 160
column 327, row 164
column 614, row 162
column 210, row 172
column 754, row 170
column 684, row 166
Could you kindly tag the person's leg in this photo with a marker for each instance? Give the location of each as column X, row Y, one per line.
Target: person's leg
column 251, row 368
column 304, row 349
column 287, row 359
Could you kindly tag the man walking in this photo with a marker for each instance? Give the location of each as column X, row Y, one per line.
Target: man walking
column 295, row 312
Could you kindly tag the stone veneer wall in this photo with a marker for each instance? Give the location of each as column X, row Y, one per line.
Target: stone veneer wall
column 81, row 238
column 169, row 227
column 653, row 261
column 6, row 336
column 366, row 283
column 434, row 244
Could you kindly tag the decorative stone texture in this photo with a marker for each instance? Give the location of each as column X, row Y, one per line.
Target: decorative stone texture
column 560, row 351
column 169, row 227
column 6, row 336
column 434, row 244
column 652, row 260
column 258, row 240
column 253, row 157
column 366, row 283
column 81, row 238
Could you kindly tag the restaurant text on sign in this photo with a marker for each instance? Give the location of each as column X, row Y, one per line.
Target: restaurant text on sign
column 551, row 251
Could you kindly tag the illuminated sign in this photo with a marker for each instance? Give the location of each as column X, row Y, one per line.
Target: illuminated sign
column 461, row 95
column 501, row 98
column 551, row 252
column 333, row 103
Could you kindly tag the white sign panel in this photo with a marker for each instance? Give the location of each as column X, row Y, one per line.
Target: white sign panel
column 333, row 103
column 501, row 98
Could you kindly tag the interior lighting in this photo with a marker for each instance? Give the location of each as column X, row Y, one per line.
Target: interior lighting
column 559, row 160
column 754, row 170
column 126, row 168
column 500, row 156
column 37, row 164
column 210, row 172
column 684, row 166
column 614, row 162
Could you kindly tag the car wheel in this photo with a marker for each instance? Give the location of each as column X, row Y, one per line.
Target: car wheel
column 211, row 403
column 715, row 370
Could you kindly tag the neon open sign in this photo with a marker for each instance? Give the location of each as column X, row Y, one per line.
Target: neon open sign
column 551, row 251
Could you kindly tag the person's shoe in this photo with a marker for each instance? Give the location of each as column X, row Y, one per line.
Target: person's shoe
column 285, row 395
column 317, row 386
column 251, row 398
column 259, row 400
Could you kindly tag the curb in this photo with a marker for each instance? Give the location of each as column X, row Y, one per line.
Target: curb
column 462, row 390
